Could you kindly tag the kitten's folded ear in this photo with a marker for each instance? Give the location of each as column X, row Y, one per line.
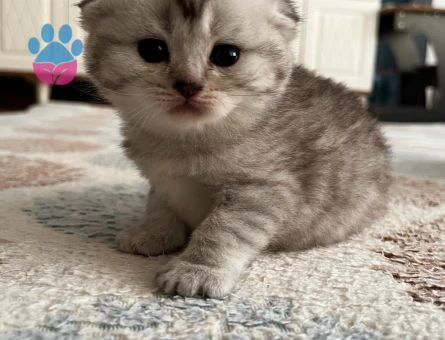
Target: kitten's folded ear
column 287, row 19
column 83, row 3
column 289, row 9
column 90, row 10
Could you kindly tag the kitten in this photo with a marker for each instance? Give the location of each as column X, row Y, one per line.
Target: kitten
column 244, row 151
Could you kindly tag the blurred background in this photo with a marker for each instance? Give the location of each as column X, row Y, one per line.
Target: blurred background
column 357, row 42
column 391, row 53
column 382, row 49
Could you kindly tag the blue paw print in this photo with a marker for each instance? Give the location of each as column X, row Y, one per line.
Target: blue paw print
column 55, row 52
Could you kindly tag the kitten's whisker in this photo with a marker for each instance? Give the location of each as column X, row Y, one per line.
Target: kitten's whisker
column 139, row 109
column 222, row 103
column 154, row 115
column 142, row 125
column 146, row 107
column 225, row 89
column 245, row 95
column 91, row 94
column 140, row 118
column 123, row 94
column 149, row 82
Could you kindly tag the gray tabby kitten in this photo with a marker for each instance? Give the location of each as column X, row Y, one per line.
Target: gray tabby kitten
column 244, row 151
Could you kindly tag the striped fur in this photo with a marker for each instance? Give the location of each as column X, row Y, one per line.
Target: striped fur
column 279, row 159
column 191, row 9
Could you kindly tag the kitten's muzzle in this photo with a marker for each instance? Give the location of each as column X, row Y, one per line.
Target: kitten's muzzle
column 188, row 90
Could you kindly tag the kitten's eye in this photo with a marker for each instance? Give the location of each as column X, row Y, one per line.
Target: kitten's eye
column 153, row 50
column 225, row 55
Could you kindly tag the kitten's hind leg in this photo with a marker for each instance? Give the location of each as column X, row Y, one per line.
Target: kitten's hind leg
column 163, row 232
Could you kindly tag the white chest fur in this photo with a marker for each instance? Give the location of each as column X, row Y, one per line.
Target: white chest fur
column 191, row 200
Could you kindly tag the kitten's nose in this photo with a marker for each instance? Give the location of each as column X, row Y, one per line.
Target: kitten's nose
column 188, row 90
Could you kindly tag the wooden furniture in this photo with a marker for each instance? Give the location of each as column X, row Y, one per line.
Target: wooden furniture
column 337, row 38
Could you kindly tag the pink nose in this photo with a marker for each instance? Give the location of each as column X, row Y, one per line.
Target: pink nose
column 188, row 90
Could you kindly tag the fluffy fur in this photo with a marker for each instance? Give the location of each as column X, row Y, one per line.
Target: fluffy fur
column 272, row 158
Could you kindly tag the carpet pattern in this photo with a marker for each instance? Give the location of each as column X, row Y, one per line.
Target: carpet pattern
column 65, row 192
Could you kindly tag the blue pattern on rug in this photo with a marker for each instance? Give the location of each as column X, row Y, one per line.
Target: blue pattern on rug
column 58, row 327
column 98, row 213
column 327, row 328
column 194, row 309
column 276, row 312
column 140, row 316
column 233, row 315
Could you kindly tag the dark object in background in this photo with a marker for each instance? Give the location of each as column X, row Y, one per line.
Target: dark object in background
column 405, row 88
column 387, row 78
column 412, row 89
column 397, row 28
column 391, row 86
column 16, row 94
column 386, row 90
column 414, row 84
column 81, row 91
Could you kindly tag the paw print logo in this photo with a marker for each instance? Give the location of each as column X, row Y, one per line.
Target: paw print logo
column 55, row 64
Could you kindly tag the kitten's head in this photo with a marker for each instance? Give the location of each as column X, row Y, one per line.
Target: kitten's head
column 184, row 64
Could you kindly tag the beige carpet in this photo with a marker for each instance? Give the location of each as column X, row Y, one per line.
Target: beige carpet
column 66, row 190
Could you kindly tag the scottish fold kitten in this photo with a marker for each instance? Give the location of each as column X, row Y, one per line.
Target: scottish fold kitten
column 244, row 151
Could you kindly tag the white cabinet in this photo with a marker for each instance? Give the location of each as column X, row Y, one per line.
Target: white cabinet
column 22, row 19
column 339, row 38
column 19, row 21
column 67, row 12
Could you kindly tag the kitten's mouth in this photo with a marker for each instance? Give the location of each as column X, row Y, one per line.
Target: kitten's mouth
column 186, row 108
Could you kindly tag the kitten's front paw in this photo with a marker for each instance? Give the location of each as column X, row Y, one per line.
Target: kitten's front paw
column 188, row 279
column 140, row 241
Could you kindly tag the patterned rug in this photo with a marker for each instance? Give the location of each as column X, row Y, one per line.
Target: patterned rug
column 66, row 190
